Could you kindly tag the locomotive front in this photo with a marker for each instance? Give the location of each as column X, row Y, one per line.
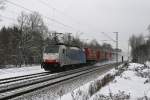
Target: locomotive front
column 51, row 57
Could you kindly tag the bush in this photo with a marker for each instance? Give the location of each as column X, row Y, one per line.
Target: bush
column 119, row 96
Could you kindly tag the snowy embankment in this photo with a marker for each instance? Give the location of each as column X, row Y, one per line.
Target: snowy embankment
column 133, row 83
column 13, row 72
column 26, row 70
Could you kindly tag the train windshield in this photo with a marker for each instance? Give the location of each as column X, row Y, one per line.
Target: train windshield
column 51, row 49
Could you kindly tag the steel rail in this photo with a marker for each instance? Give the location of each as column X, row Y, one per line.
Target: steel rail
column 17, row 90
column 12, row 79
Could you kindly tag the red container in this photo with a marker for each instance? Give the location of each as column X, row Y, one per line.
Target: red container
column 110, row 55
column 98, row 55
column 91, row 54
column 102, row 55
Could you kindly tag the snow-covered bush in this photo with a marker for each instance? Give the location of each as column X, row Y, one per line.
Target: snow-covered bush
column 93, row 88
column 121, row 69
column 142, row 71
column 79, row 95
column 119, row 96
column 98, row 84
column 143, row 98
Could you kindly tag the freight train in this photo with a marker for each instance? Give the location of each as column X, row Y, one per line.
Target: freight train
column 60, row 56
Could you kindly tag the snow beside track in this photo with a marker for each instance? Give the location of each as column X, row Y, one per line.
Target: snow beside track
column 129, row 82
column 13, row 72
column 81, row 93
column 133, row 82
column 103, row 63
column 26, row 70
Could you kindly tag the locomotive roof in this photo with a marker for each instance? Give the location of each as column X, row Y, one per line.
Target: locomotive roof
column 68, row 45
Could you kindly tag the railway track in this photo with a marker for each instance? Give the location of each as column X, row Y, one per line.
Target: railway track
column 21, row 85
column 12, row 79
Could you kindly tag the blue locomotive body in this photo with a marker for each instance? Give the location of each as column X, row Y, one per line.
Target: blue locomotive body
column 58, row 56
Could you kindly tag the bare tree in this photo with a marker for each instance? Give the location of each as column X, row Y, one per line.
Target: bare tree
column 23, row 37
column 32, row 30
column 22, row 21
column 136, row 41
column 38, row 31
column 139, row 48
column 107, row 46
column 148, row 28
column 77, row 41
column 94, row 44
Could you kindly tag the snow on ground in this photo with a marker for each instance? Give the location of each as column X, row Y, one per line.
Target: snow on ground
column 83, row 90
column 54, row 92
column 26, row 70
column 105, row 62
column 13, row 72
column 133, row 83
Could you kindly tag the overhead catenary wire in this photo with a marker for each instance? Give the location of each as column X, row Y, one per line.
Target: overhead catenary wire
column 52, row 19
column 49, row 18
column 108, row 36
column 13, row 19
column 57, row 10
column 17, row 5
column 48, row 5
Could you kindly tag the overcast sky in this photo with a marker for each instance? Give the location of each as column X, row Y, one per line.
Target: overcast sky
column 89, row 16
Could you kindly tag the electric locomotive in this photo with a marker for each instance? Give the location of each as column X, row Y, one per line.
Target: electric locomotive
column 58, row 56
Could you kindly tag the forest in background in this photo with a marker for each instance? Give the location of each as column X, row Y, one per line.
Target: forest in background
column 23, row 42
column 140, row 47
